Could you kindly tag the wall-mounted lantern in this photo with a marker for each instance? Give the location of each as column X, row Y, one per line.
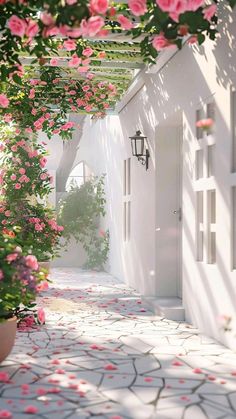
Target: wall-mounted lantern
column 139, row 148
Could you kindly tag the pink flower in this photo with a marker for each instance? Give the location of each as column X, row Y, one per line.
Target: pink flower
column 22, row 171
column 17, row 26
column 124, row 22
column 159, row 42
column 41, row 315
column 31, row 262
column 193, row 5
column 92, row 26
column 43, row 176
column 8, row 213
column 17, row 186
column 43, row 286
column 110, row 367
column 4, row 377
column 4, row 101
column 38, row 227
column 102, row 233
column 137, row 7
column 31, row 409
column 69, row 45
column 47, row 19
column 173, row 6
column 83, row 69
column 87, row 52
column 75, row 61
column 32, row 29
column 43, row 161
column 209, row 12
column 99, row 6
column 102, row 54
column 205, row 123
column 11, row 257
column 1, row 274
column 5, row 414
column 67, row 126
column 54, row 62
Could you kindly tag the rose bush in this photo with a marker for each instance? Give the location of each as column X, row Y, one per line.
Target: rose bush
column 38, row 231
column 20, row 277
column 23, row 169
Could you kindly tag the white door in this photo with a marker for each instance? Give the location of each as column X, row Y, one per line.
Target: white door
column 169, row 211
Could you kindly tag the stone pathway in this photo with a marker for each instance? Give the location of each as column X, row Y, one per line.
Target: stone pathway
column 102, row 355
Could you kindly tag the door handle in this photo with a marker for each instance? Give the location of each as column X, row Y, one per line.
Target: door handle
column 179, row 212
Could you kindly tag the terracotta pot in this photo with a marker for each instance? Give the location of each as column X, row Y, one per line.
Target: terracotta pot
column 45, row 265
column 7, row 336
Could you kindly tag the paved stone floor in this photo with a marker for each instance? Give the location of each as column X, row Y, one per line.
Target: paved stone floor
column 102, row 355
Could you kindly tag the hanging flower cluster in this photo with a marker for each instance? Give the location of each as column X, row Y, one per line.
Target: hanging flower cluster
column 44, row 103
column 32, row 26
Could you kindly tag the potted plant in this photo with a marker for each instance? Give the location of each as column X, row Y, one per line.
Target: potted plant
column 20, row 279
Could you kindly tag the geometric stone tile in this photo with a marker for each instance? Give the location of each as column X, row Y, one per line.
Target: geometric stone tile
column 102, row 355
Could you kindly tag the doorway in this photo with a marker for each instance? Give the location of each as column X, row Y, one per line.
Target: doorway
column 169, row 210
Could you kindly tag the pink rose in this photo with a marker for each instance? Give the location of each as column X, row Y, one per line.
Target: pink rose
column 54, row 62
column 83, row 69
column 17, row 26
column 43, row 176
column 173, row 6
column 41, row 315
column 17, row 186
column 193, row 5
column 75, row 61
column 69, row 45
column 99, row 6
column 8, row 213
column 4, row 101
column 47, row 19
column 124, row 22
column 209, row 12
column 137, row 7
column 31, row 262
column 92, row 26
column 38, row 227
column 205, row 123
column 11, row 257
column 32, row 29
column 43, row 161
column 159, row 42
column 87, row 52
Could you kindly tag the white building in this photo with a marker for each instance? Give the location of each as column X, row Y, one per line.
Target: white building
column 173, row 227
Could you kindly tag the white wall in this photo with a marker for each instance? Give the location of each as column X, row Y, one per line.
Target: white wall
column 192, row 77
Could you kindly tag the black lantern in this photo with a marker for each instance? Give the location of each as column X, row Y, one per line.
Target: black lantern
column 138, row 146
